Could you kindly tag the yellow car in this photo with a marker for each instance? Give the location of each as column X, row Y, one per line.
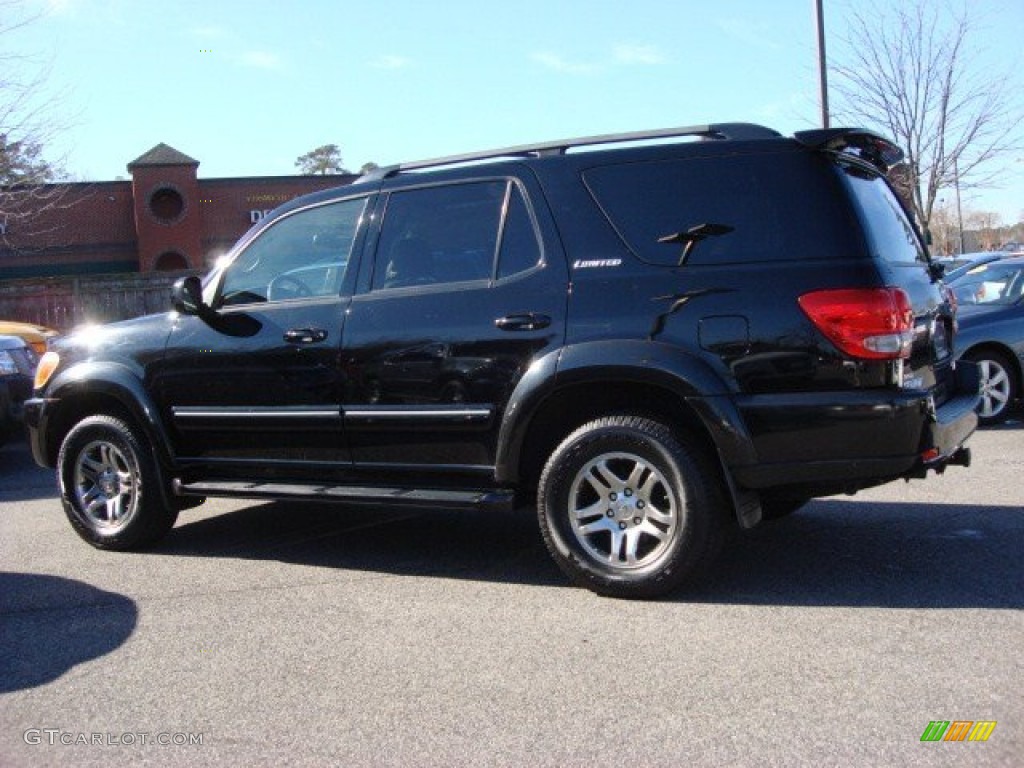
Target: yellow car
column 35, row 336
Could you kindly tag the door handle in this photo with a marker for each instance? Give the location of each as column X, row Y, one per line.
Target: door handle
column 527, row 321
column 305, row 335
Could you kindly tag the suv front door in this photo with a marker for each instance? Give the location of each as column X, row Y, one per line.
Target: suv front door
column 256, row 384
column 464, row 291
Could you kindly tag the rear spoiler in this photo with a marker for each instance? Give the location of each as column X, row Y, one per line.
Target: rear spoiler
column 868, row 146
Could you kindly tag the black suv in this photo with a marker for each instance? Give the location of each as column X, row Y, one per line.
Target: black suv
column 652, row 340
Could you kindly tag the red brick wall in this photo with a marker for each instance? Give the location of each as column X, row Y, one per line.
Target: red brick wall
column 84, row 224
column 230, row 206
column 112, row 227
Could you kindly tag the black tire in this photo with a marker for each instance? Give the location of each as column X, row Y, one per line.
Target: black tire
column 627, row 510
column 999, row 389
column 111, row 486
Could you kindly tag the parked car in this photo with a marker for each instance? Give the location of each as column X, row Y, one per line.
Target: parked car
column 37, row 336
column 957, row 266
column 17, row 366
column 649, row 344
column 991, row 298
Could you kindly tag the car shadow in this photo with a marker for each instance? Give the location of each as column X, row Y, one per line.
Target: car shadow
column 862, row 553
column 21, row 479
column 832, row 553
column 1014, row 422
column 489, row 546
column 51, row 624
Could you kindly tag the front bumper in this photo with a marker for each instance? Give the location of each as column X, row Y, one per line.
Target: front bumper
column 35, row 418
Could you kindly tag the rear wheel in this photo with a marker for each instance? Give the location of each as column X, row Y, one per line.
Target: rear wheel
column 627, row 510
column 110, row 486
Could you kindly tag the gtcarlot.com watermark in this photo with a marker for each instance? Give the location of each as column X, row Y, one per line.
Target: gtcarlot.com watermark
column 55, row 736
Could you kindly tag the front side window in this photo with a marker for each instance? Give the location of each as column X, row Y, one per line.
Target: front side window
column 302, row 255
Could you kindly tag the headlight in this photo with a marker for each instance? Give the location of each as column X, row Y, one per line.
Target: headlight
column 7, row 364
column 47, row 365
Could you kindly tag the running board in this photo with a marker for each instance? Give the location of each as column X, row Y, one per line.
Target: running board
column 493, row 500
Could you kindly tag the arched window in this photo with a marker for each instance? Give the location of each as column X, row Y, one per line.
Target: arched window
column 170, row 261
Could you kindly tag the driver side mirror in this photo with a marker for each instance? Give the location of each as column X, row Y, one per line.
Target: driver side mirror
column 187, row 297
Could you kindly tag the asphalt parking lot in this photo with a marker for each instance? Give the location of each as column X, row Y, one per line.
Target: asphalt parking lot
column 262, row 634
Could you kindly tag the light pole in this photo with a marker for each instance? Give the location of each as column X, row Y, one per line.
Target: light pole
column 819, row 19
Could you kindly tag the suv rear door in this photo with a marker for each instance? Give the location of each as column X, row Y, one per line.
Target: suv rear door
column 463, row 291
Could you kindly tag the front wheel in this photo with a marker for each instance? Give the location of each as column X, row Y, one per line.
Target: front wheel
column 627, row 510
column 110, row 486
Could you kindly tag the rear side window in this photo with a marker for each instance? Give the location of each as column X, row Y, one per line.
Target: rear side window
column 777, row 207
column 454, row 234
column 439, row 235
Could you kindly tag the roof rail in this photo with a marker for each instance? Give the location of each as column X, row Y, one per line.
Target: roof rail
column 716, row 131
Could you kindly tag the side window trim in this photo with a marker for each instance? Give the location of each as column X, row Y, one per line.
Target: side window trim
column 506, row 204
column 517, row 184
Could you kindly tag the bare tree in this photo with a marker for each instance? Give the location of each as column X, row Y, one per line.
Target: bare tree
column 907, row 71
column 987, row 227
column 27, row 193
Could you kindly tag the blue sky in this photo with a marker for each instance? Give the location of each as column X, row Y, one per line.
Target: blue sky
column 246, row 87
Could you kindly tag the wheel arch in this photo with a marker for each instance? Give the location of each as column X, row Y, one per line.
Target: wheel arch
column 96, row 388
column 561, row 393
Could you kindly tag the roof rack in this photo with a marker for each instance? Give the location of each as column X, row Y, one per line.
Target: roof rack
column 716, row 131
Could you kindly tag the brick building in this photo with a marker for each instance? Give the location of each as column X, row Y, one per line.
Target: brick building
column 164, row 218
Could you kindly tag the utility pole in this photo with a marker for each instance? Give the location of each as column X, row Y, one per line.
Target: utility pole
column 959, row 212
column 819, row 18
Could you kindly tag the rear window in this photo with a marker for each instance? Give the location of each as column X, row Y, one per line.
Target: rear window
column 891, row 237
column 767, row 207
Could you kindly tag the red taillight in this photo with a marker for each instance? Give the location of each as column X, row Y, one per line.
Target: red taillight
column 868, row 323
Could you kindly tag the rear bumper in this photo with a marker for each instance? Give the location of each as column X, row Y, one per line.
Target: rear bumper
column 841, row 442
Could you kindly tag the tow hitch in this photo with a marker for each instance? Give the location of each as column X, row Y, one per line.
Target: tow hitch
column 931, row 459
